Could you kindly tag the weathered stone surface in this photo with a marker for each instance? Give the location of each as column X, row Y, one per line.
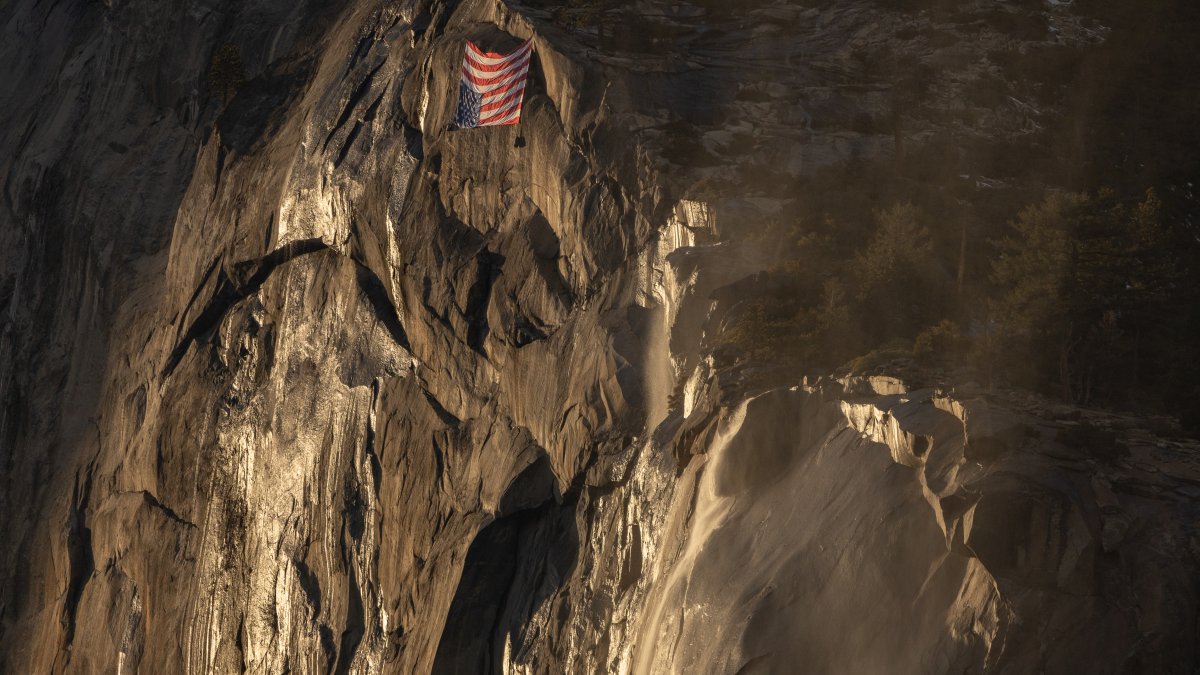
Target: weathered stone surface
column 306, row 381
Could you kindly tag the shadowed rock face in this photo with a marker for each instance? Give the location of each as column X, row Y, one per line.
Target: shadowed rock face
column 305, row 381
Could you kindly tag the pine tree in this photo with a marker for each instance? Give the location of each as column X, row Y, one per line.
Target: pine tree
column 1080, row 278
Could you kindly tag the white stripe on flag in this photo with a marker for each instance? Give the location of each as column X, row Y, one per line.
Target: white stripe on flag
column 480, row 56
column 489, row 75
column 488, row 99
column 497, row 122
column 484, row 89
column 496, row 81
column 503, row 110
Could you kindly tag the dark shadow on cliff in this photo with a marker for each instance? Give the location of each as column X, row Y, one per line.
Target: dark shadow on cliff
column 514, row 565
column 260, row 104
column 246, row 278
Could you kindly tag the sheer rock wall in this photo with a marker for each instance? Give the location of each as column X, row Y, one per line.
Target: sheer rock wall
column 305, row 381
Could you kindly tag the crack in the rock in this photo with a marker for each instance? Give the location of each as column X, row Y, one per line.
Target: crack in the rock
column 229, row 292
column 248, row 277
column 489, row 266
column 153, row 502
column 80, row 556
column 359, row 92
column 448, row 418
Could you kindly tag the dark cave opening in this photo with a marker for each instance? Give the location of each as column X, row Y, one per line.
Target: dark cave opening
column 514, row 565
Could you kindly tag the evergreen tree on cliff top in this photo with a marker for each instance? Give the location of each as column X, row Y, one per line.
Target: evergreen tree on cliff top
column 1081, row 279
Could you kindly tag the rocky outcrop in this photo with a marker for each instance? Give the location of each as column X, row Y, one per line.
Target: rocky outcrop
column 306, row 381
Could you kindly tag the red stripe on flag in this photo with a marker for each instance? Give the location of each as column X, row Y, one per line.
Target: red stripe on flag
column 492, row 57
column 499, row 80
column 502, row 111
column 502, row 93
column 484, row 81
column 491, row 68
column 503, row 120
column 502, row 103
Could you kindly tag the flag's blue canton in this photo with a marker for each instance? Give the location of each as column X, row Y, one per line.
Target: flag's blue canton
column 469, row 103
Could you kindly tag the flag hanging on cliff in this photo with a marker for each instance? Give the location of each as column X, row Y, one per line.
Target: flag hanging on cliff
column 492, row 86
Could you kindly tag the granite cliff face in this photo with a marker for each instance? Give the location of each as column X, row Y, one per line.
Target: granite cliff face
column 301, row 380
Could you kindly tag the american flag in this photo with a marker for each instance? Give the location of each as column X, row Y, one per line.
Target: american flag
column 492, row 86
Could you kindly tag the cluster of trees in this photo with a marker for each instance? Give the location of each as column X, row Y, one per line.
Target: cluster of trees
column 1083, row 296
column 1088, row 288
column 1086, row 293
